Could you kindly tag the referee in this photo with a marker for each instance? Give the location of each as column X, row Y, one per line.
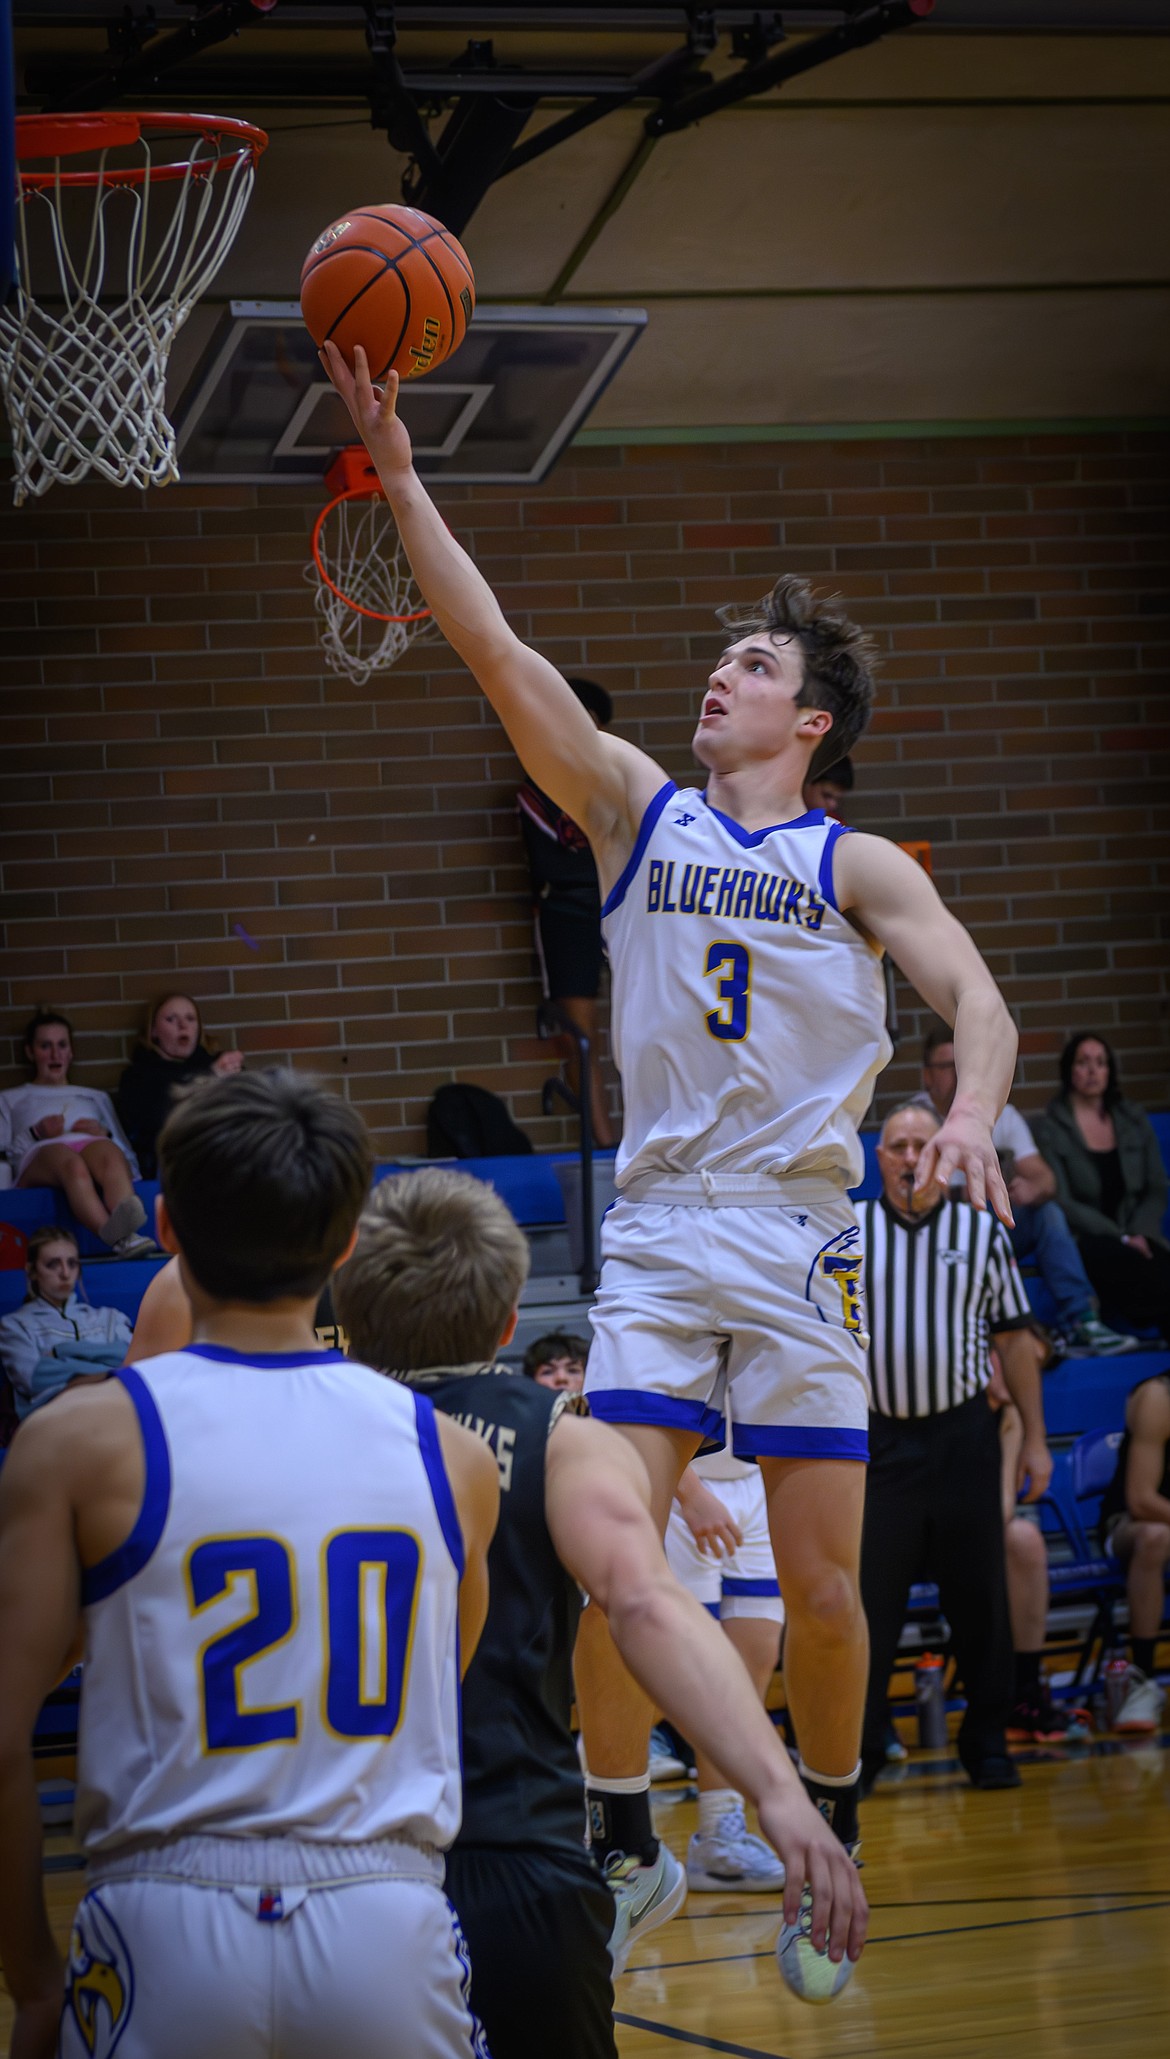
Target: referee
column 941, row 1283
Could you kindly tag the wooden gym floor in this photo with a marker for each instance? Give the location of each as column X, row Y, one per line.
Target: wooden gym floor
column 1028, row 1925
column 1033, row 1924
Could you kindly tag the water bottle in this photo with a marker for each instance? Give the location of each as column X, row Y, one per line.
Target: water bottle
column 1116, row 1676
column 930, row 1702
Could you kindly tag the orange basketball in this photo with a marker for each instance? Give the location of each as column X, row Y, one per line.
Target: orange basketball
column 394, row 280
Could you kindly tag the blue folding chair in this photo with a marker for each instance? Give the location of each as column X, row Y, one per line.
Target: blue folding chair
column 1094, row 1462
column 1078, row 1569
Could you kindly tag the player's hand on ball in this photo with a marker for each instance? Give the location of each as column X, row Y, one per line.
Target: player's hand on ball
column 813, row 1856
column 374, row 409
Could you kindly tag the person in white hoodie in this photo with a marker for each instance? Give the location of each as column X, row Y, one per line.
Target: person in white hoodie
column 57, row 1135
column 53, row 1315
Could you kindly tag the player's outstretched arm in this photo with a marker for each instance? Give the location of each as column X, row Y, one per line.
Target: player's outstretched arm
column 603, row 783
column 40, row 1588
column 475, row 1486
column 894, row 901
column 597, row 1504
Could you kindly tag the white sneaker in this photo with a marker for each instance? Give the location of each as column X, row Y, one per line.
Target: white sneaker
column 645, row 1897
column 136, row 1246
column 731, row 1861
column 1141, row 1709
column 665, row 1763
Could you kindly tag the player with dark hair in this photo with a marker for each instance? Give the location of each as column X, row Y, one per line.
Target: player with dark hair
column 558, row 1361
column 430, row 1293
column 275, row 1556
column 828, row 789
column 745, row 934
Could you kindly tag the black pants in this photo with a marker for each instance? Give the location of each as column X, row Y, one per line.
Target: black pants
column 537, row 1924
column 932, row 1511
column 1134, row 1289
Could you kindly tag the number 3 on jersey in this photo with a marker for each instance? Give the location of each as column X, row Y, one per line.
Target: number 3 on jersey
column 371, row 1582
column 729, row 1021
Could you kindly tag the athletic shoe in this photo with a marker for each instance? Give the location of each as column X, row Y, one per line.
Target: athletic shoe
column 665, row 1763
column 809, row 1973
column 1141, row 1708
column 731, row 1861
column 136, row 1246
column 1037, row 1719
column 645, row 1897
column 895, row 1750
column 127, row 1216
column 1093, row 1336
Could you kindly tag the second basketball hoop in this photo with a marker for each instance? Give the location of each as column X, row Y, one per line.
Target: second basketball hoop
column 369, row 609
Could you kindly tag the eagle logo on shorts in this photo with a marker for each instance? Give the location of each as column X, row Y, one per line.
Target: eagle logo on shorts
column 841, row 1262
column 99, row 1984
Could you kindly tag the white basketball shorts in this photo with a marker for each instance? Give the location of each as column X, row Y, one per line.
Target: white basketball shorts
column 759, row 1306
column 743, row 1584
column 351, row 1968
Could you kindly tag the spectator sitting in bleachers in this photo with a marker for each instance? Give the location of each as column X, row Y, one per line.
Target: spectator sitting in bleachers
column 1135, row 1530
column 558, row 1361
column 52, row 1314
column 1111, row 1182
column 57, row 1135
column 829, row 788
column 1035, row 1717
column 1041, row 1235
column 172, row 1050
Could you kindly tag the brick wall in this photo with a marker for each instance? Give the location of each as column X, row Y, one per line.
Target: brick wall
column 178, row 761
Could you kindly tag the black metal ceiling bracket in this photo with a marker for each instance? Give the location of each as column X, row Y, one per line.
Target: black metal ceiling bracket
column 146, row 58
column 867, row 24
column 392, row 104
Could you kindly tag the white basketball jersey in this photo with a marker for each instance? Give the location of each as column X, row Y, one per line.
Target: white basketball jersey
column 749, row 1015
column 273, row 1651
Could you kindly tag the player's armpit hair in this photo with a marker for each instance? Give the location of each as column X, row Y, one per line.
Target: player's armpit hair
column 439, row 1266
column 839, row 658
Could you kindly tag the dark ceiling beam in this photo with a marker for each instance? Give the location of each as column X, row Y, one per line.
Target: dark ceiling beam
column 866, row 25
column 278, row 78
column 145, row 62
column 1151, row 17
column 659, row 80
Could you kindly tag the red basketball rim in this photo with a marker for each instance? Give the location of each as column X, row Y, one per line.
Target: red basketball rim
column 373, row 614
column 71, row 135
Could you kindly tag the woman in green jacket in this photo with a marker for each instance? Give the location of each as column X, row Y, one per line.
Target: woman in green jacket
column 1110, row 1182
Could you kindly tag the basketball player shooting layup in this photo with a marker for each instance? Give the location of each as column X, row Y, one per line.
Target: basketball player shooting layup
column 745, row 935
column 278, row 1555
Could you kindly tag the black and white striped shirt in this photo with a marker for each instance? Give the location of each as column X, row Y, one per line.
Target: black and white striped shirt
column 936, row 1289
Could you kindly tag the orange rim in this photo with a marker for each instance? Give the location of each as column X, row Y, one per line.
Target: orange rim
column 70, row 135
column 373, row 614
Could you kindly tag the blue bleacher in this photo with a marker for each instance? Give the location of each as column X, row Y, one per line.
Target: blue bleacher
column 1080, row 1394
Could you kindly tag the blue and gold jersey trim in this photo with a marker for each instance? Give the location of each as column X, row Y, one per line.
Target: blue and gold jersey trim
column 102, row 1580
column 649, row 821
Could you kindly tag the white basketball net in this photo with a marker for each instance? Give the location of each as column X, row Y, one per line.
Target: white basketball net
column 83, row 356
column 361, row 551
